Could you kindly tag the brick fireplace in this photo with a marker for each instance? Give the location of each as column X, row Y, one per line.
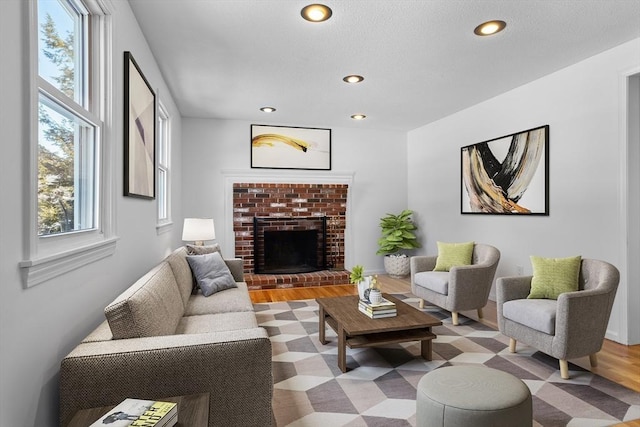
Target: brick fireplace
column 291, row 202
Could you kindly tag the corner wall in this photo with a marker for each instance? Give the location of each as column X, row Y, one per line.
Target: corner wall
column 581, row 104
column 41, row 325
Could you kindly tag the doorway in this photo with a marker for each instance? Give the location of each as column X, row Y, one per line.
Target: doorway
column 633, row 207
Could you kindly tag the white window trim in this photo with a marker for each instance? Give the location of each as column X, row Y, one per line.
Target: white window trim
column 166, row 224
column 51, row 256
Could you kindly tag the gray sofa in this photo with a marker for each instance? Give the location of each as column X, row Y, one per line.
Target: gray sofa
column 161, row 339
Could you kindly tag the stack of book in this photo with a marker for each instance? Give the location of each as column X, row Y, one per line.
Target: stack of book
column 137, row 412
column 384, row 308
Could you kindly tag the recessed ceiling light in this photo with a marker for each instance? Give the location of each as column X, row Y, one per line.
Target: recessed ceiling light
column 316, row 12
column 358, row 117
column 268, row 109
column 490, row 27
column 353, row 78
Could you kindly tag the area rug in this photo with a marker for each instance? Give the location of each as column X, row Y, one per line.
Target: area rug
column 379, row 388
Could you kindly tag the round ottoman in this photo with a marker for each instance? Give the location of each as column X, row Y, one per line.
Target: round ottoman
column 477, row 396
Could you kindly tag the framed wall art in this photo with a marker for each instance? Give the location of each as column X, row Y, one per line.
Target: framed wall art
column 281, row 147
column 507, row 175
column 139, row 132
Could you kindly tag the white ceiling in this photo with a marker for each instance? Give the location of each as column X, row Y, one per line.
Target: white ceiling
column 420, row 59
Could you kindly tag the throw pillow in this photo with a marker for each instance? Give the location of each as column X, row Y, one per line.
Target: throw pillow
column 453, row 254
column 201, row 250
column 554, row 276
column 211, row 273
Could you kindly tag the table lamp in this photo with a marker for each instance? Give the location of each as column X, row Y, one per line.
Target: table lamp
column 198, row 230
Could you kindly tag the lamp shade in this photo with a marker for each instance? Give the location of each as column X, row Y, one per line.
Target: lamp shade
column 198, row 230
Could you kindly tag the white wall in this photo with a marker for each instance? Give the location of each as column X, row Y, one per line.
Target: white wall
column 376, row 158
column 581, row 104
column 40, row 325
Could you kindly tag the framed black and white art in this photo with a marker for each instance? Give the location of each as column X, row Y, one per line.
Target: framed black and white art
column 139, row 132
column 507, row 175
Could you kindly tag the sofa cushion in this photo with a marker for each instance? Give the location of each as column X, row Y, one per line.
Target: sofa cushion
column 554, row 276
column 202, row 250
column 150, row 307
column 538, row 314
column 182, row 272
column 236, row 267
column 217, row 322
column 453, row 254
column 211, row 273
column 437, row 281
column 234, row 299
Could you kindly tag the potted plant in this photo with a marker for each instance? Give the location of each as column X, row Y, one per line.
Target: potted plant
column 397, row 235
column 357, row 278
column 356, row 275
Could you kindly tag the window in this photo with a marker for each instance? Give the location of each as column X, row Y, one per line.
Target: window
column 68, row 131
column 164, row 170
column 70, row 203
column 66, row 170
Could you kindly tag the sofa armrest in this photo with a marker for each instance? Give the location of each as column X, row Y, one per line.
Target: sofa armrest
column 236, row 267
column 421, row 263
column 581, row 322
column 234, row 367
column 508, row 289
column 513, row 287
column 470, row 285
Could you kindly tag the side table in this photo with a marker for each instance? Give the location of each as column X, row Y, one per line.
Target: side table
column 193, row 411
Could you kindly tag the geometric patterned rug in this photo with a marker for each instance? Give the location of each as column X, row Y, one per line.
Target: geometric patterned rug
column 379, row 388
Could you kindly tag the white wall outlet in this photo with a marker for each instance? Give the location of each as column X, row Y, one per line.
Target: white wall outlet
column 519, row 270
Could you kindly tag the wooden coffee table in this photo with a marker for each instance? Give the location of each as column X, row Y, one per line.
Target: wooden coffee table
column 356, row 330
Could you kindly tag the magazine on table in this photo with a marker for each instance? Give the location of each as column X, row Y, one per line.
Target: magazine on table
column 138, row 412
column 378, row 315
column 385, row 304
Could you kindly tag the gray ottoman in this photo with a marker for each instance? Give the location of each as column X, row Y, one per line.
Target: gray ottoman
column 472, row 396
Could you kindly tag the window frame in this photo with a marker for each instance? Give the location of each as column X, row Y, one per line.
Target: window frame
column 49, row 256
column 163, row 166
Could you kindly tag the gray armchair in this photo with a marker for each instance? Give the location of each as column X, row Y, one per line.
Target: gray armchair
column 572, row 326
column 464, row 287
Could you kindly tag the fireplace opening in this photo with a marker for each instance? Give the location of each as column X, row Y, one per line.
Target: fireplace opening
column 288, row 246
column 290, row 251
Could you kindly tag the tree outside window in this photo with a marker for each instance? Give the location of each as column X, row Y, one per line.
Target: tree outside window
column 66, row 134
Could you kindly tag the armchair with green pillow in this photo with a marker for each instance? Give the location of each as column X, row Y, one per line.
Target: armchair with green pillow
column 562, row 309
column 458, row 278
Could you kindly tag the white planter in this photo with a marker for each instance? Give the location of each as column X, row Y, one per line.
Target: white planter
column 397, row 266
column 375, row 296
column 363, row 286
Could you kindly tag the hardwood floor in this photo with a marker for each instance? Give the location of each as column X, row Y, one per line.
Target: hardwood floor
column 616, row 362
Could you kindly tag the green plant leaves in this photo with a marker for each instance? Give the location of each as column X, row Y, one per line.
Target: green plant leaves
column 397, row 233
column 356, row 274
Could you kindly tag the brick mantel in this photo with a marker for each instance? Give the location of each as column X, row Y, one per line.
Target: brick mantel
column 289, row 201
column 287, row 177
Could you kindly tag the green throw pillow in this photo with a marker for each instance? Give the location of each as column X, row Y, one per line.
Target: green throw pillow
column 453, row 254
column 554, row 276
